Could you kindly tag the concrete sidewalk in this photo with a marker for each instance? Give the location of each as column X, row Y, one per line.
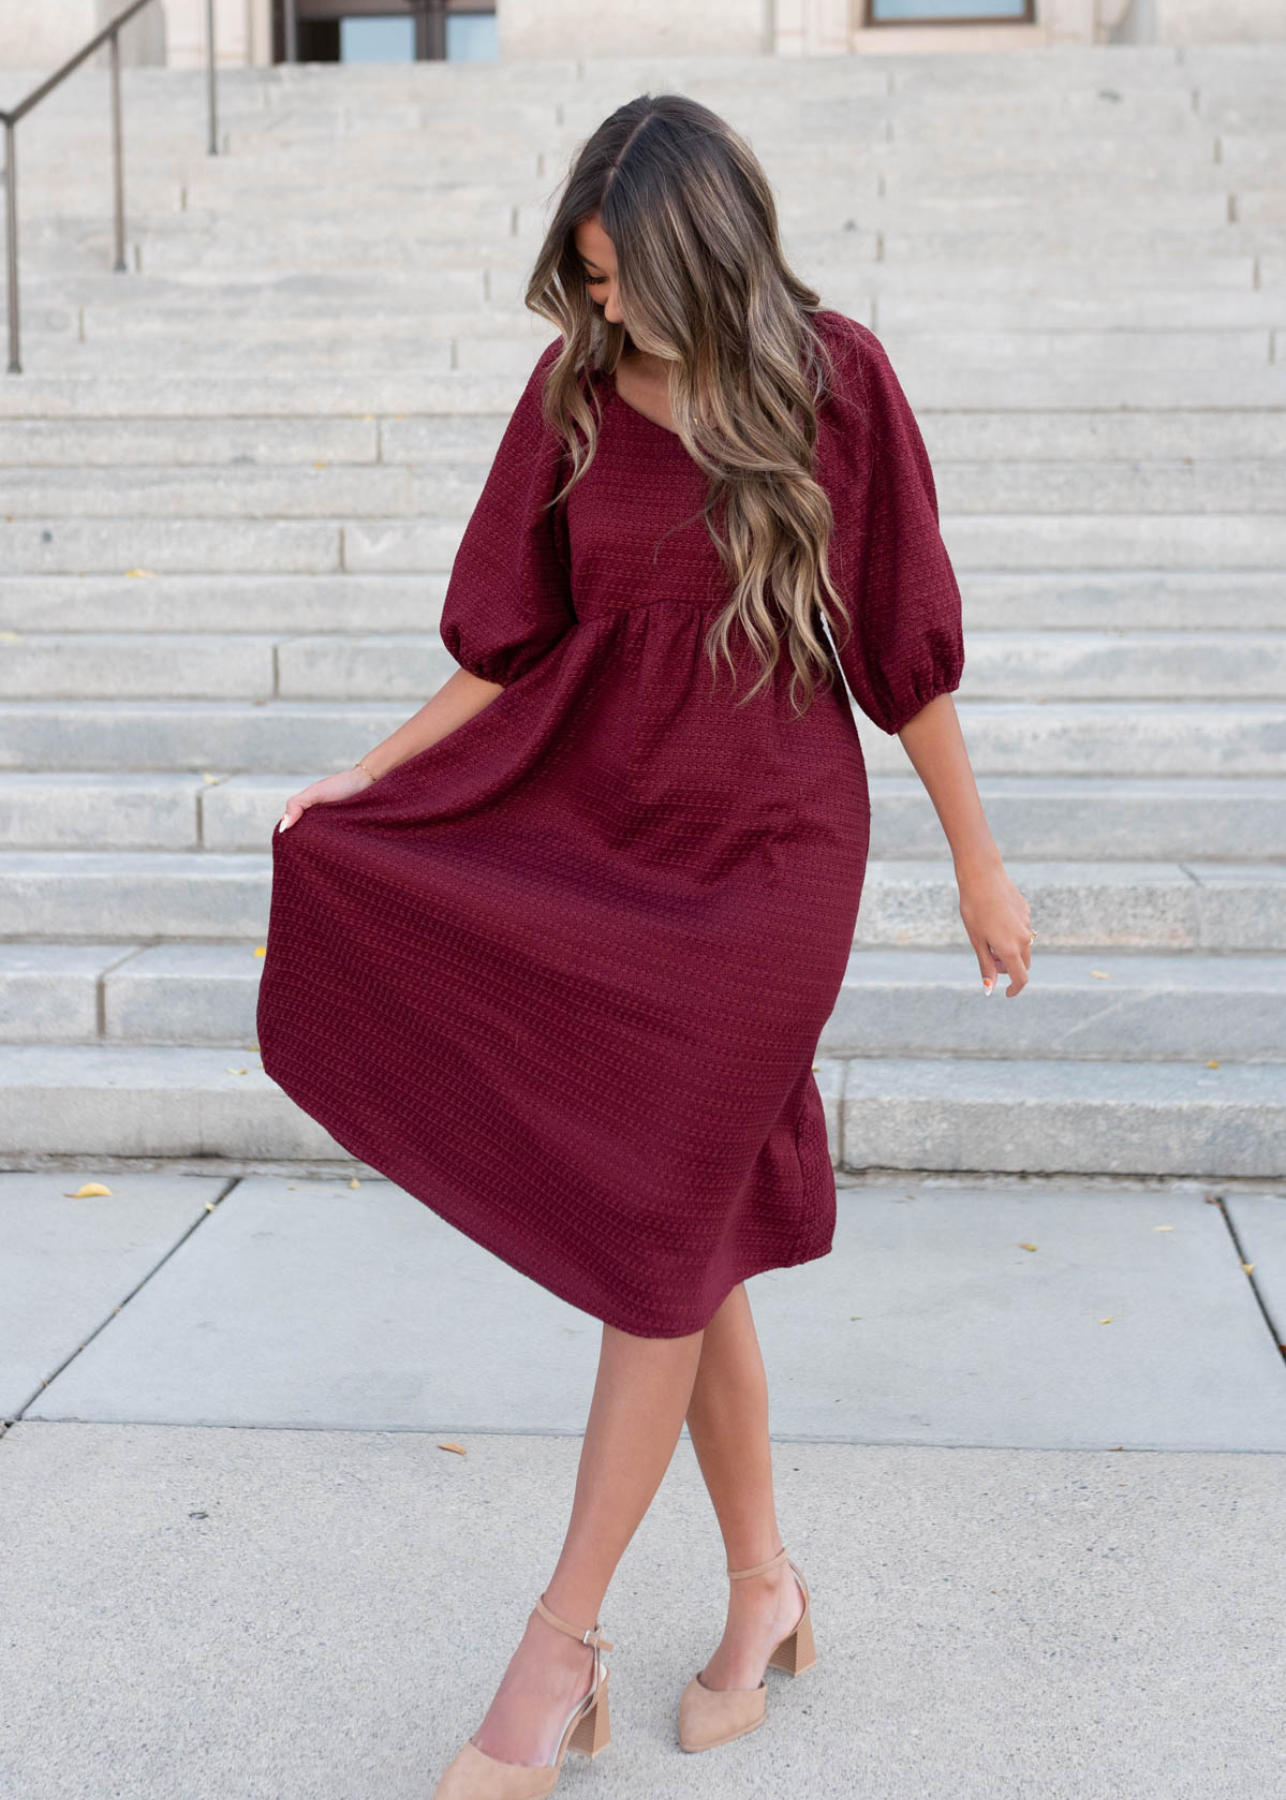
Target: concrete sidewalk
column 1037, row 1493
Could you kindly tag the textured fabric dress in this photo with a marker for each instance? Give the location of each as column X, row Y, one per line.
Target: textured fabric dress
column 562, row 975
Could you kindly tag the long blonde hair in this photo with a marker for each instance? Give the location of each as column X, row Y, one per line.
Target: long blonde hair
column 704, row 283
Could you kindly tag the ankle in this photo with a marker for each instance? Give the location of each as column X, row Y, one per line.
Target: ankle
column 573, row 1612
column 558, row 1646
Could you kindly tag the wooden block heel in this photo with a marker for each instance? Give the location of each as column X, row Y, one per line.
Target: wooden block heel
column 473, row 1775
column 712, row 1716
column 593, row 1731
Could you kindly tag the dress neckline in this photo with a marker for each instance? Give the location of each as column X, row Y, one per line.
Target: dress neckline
column 610, row 377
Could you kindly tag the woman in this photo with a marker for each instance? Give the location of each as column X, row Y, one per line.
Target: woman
column 556, row 955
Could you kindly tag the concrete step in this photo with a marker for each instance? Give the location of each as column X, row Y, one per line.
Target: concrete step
column 1195, row 455
column 413, row 542
column 350, row 348
column 930, row 1003
column 917, row 1003
column 125, row 895
column 320, row 489
column 1109, row 1117
column 1113, row 310
column 1170, row 184
column 1172, row 1118
column 1231, row 316
column 1172, row 170
column 1041, row 665
column 1034, row 818
column 43, row 392
column 1249, row 600
column 164, row 248
column 813, row 200
column 1036, row 279
column 1077, row 738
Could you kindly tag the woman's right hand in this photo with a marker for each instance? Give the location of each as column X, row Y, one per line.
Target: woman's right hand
column 331, row 787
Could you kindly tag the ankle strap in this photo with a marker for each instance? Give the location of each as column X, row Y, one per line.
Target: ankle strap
column 759, row 1568
column 593, row 1636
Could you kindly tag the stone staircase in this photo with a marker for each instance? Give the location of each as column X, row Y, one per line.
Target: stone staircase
column 233, row 481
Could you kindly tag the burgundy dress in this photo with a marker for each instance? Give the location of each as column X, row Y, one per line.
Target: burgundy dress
column 562, row 975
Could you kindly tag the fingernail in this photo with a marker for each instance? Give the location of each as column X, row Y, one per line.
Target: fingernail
column 987, row 987
column 282, row 822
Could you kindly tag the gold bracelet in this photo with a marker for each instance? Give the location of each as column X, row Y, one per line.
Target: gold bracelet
column 360, row 764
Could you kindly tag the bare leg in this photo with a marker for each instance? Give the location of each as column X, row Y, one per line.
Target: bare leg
column 728, row 1424
column 640, row 1397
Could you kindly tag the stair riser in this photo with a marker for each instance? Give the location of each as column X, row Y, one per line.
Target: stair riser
column 200, row 1110
column 53, row 393
column 1082, row 739
column 450, row 490
column 1086, row 821
column 885, row 1020
column 310, row 603
column 1039, row 666
column 394, row 545
column 1211, row 1140
column 1133, row 906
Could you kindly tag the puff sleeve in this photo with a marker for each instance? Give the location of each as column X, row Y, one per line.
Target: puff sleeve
column 508, row 599
column 888, row 560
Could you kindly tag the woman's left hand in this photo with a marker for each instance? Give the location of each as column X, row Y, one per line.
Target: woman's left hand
column 998, row 920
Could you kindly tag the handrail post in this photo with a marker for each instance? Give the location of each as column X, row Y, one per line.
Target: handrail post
column 9, row 117
column 118, row 161
column 11, row 239
column 292, row 31
column 209, row 59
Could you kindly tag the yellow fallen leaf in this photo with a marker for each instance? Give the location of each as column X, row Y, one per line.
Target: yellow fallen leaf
column 1107, row 1320
column 458, row 1448
column 1100, row 974
column 11, row 637
column 1163, row 1228
column 853, row 1316
column 1247, row 1267
column 206, row 776
column 252, row 1046
column 261, row 949
column 90, row 1187
column 209, row 1206
column 319, row 465
column 148, row 573
column 354, row 1182
column 1026, row 1246
column 1212, row 1063
column 233, row 1071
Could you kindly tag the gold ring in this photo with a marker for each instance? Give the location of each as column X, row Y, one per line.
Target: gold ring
column 1032, row 938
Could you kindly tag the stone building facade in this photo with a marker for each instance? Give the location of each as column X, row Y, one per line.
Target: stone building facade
column 249, row 32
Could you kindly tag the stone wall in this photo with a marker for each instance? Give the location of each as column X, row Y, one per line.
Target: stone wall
column 559, row 28
column 1202, row 22
column 40, row 34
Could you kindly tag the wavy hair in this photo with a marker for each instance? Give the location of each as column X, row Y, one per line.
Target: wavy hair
column 704, row 284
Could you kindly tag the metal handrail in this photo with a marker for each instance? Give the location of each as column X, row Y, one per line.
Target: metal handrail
column 10, row 120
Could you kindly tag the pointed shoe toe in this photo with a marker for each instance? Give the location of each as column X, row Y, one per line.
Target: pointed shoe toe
column 710, row 1716
column 473, row 1773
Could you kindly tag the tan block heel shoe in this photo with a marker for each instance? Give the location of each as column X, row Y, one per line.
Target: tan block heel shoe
column 711, row 1716
column 473, row 1775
